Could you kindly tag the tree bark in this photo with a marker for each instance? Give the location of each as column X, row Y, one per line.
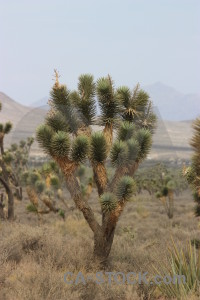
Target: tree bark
column 10, row 199
column 102, row 246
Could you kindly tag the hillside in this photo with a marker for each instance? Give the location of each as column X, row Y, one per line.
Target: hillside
column 172, row 105
column 171, row 140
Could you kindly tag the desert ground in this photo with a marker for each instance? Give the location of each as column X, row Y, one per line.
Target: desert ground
column 36, row 253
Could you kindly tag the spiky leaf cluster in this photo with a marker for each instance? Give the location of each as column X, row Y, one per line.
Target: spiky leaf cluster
column 98, row 147
column 84, row 100
column 119, row 154
column 6, row 128
column 126, row 131
column 80, row 149
column 133, row 150
column 60, row 144
column 61, row 103
column 144, row 139
column 44, row 136
column 108, row 102
column 108, row 202
column 125, row 188
column 192, row 173
column 57, row 122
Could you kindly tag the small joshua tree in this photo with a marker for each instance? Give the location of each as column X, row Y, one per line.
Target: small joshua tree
column 192, row 173
column 43, row 186
column 166, row 195
column 5, row 171
column 16, row 157
column 68, row 138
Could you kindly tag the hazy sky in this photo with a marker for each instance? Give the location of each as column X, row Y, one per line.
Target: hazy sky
column 133, row 40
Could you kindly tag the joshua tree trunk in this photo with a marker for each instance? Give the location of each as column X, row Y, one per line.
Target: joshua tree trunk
column 1, row 207
column 10, row 199
column 102, row 245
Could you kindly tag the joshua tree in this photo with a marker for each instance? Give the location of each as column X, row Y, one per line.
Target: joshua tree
column 68, row 138
column 166, row 195
column 192, row 173
column 16, row 159
column 43, row 186
column 5, row 171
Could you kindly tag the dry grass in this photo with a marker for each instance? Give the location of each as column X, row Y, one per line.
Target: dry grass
column 35, row 255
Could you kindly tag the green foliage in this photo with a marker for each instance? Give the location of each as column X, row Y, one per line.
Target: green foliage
column 108, row 202
column 108, row 102
column 124, row 95
column 119, row 154
column 1, row 127
column 158, row 194
column 126, row 131
column 33, row 177
column 186, row 263
column 171, row 185
column 54, row 181
column 7, row 157
column 39, row 186
column 61, row 103
column 57, row 122
column 31, row 208
column 134, row 103
column 44, row 136
column 125, row 188
column 80, row 149
column 7, row 127
column 84, row 99
column 144, row 139
column 133, row 150
column 192, row 173
column 60, row 144
column 61, row 213
column 81, row 171
column 164, row 191
column 98, row 148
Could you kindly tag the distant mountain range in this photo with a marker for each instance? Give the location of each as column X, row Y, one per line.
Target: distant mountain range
column 171, row 139
column 173, row 105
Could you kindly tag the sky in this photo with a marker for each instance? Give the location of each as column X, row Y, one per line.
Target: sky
column 134, row 41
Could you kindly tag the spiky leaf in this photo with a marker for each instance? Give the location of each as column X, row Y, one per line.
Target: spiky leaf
column 98, row 151
column 60, row 144
column 57, row 122
column 80, row 149
column 119, row 153
column 7, row 127
column 126, row 131
column 44, row 136
column 108, row 102
column 108, row 202
column 125, row 188
column 144, row 139
column 133, row 149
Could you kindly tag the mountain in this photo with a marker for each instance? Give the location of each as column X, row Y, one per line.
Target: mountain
column 171, row 139
column 172, row 105
column 24, row 119
column 11, row 110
